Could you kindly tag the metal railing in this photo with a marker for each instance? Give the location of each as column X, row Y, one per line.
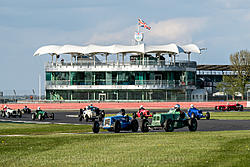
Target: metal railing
column 167, row 83
column 161, row 63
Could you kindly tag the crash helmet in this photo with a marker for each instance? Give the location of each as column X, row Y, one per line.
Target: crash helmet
column 91, row 104
column 5, row 106
column 25, row 106
column 141, row 106
column 191, row 106
column 177, row 106
column 39, row 108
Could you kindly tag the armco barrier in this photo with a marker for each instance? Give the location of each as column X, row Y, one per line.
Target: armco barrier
column 113, row 105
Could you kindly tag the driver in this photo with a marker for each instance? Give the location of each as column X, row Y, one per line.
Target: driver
column 177, row 107
column 38, row 109
column 91, row 107
column 141, row 108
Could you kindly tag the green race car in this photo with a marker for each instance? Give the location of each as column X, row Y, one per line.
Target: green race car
column 169, row 121
column 40, row 115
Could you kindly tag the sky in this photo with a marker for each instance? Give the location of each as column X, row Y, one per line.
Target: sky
column 221, row 26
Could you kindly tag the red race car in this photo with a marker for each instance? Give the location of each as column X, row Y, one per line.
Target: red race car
column 229, row 107
column 142, row 113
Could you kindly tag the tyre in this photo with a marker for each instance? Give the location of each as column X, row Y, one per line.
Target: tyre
column 7, row 114
column 134, row 125
column 192, row 115
column 87, row 118
column 52, row 116
column 236, row 108
column 96, row 127
column 33, row 116
column 141, row 115
column 3, row 114
column 241, row 107
column 103, row 113
column 215, row 108
column 207, row 115
column 134, row 115
column 19, row 113
column 81, row 112
column 192, row 125
column 169, row 125
column 40, row 117
column 228, row 109
column 117, row 126
column 144, row 127
column 80, row 117
column 123, row 111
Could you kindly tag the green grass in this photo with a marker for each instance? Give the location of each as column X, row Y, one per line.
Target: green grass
column 230, row 115
column 226, row 148
column 25, row 129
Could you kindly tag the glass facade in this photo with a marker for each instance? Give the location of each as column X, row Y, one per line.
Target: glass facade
column 118, row 95
column 120, row 77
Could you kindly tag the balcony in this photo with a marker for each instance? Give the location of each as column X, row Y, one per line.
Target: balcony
column 122, row 66
column 111, row 84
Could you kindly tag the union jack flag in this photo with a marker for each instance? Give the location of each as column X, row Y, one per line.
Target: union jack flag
column 141, row 23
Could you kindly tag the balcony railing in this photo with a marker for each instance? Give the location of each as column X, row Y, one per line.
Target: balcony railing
column 161, row 63
column 168, row 83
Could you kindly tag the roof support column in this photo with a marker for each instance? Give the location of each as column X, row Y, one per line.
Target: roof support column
column 117, row 59
column 71, row 59
column 106, row 58
column 52, row 58
column 123, row 54
column 189, row 56
column 94, row 59
column 174, row 60
column 143, row 59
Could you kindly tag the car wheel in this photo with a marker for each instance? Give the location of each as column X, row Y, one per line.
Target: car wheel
column 3, row 114
column 87, row 118
column 141, row 115
column 33, row 116
column 134, row 115
column 241, row 107
column 193, row 115
column 134, row 125
column 144, row 127
column 236, row 108
column 215, row 108
column 40, row 117
column 81, row 112
column 96, row 127
column 117, row 126
column 52, row 116
column 207, row 115
column 8, row 115
column 169, row 125
column 19, row 113
column 80, row 117
column 192, row 125
column 228, row 109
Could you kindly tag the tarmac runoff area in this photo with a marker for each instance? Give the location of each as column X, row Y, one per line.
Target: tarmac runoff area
column 71, row 117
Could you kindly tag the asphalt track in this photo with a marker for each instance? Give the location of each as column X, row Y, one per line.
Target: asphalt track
column 71, row 117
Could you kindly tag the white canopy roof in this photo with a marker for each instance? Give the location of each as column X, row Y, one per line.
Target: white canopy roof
column 114, row 49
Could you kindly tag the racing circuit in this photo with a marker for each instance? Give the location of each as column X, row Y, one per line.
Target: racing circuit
column 71, row 117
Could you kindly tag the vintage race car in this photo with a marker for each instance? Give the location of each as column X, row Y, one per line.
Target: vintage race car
column 117, row 123
column 169, row 121
column 91, row 114
column 195, row 113
column 229, row 107
column 142, row 113
column 26, row 110
column 8, row 112
column 40, row 115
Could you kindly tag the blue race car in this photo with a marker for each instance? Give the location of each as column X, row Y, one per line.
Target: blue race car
column 195, row 113
column 117, row 123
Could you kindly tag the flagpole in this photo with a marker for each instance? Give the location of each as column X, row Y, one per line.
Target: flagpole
column 138, row 29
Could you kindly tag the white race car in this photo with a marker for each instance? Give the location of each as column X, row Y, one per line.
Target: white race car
column 92, row 114
column 8, row 112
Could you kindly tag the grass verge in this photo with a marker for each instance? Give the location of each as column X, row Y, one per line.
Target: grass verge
column 227, row 148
